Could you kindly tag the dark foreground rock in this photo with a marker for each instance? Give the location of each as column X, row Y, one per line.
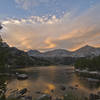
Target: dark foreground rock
column 23, row 91
column 18, row 94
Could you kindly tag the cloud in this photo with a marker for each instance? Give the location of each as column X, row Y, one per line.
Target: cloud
column 45, row 33
column 26, row 4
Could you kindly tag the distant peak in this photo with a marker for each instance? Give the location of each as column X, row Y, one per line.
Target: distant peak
column 58, row 50
column 87, row 46
column 35, row 51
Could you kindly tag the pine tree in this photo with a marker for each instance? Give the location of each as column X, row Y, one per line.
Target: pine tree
column 1, row 27
column 0, row 35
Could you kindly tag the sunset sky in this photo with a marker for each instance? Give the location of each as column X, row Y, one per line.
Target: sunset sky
column 50, row 24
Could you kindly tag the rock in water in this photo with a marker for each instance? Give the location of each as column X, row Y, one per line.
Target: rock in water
column 26, row 98
column 63, row 88
column 22, row 76
column 45, row 97
column 23, row 91
column 18, row 94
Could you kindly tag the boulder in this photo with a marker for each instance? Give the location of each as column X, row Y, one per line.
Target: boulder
column 22, row 76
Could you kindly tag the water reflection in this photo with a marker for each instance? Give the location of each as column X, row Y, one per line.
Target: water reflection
column 46, row 79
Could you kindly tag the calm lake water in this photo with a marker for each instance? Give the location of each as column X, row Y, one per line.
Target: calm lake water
column 45, row 79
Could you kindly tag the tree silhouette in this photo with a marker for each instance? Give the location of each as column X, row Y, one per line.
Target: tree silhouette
column 0, row 35
column 1, row 27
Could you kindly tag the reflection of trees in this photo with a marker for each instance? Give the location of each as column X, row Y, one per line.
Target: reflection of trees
column 87, row 84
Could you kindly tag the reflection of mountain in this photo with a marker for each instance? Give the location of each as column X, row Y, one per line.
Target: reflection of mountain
column 53, row 74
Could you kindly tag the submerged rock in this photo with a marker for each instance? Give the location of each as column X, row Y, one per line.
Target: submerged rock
column 71, row 87
column 39, row 92
column 52, row 90
column 76, row 85
column 45, row 97
column 63, row 88
column 26, row 98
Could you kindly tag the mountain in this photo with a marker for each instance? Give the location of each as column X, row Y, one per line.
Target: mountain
column 54, row 57
column 85, row 51
column 53, row 53
column 33, row 53
column 57, row 53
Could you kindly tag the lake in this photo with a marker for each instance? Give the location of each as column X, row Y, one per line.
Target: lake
column 49, row 79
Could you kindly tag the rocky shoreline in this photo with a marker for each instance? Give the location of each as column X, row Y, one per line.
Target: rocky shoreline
column 21, row 95
column 93, row 76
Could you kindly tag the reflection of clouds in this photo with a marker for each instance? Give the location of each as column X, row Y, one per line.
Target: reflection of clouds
column 49, row 87
column 32, row 86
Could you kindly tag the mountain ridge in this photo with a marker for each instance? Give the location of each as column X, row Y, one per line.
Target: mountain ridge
column 81, row 52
